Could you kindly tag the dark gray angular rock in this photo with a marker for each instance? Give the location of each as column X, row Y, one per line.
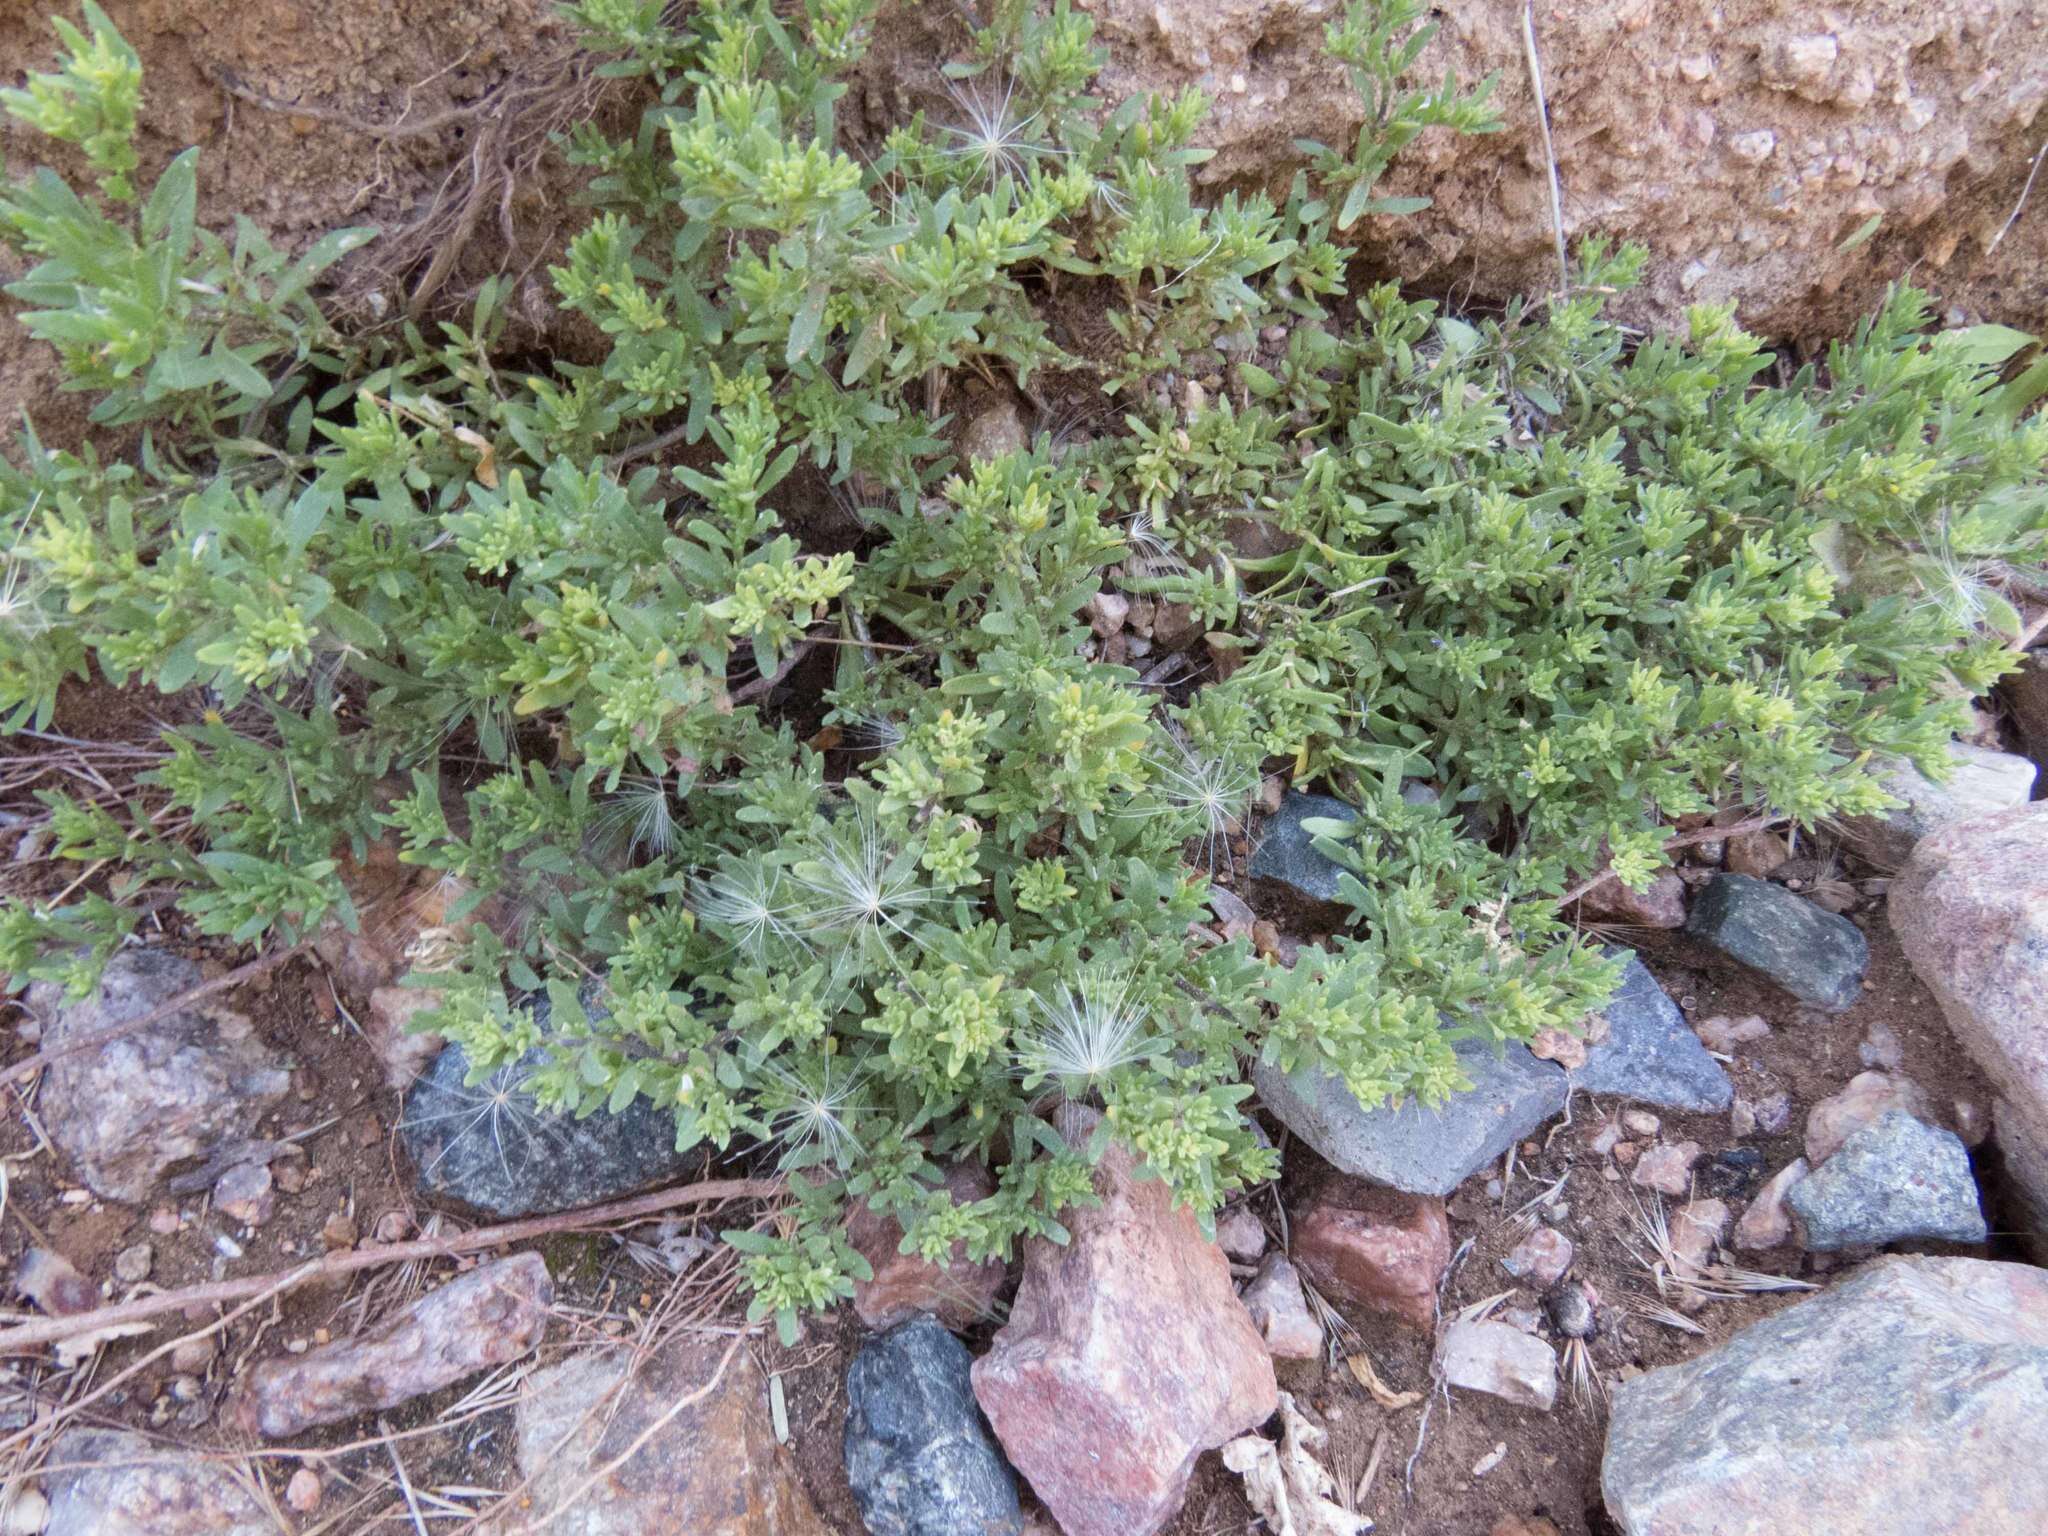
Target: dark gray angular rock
column 919, row 1458
column 130, row 1110
column 1893, row 1179
column 1904, row 1400
column 1813, row 954
column 1414, row 1148
column 493, row 1148
column 1651, row 1054
column 1286, row 853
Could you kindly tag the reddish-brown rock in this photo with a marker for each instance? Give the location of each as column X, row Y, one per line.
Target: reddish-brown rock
column 1662, row 905
column 1375, row 1247
column 488, row 1317
column 958, row 1293
column 1127, row 1355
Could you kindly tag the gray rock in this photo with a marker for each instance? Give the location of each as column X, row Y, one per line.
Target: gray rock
column 1650, row 1054
column 128, row 1111
column 1285, row 852
column 114, row 1483
column 1894, row 1178
column 1813, row 954
column 1500, row 1359
column 493, row 1148
column 919, row 1458
column 1904, row 1400
column 1980, row 782
column 1415, row 1148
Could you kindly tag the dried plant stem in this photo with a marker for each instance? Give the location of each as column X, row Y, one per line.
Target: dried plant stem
column 34, row 1335
column 1564, row 265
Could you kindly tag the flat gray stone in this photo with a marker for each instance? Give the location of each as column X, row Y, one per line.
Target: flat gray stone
column 1813, row 954
column 493, row 1148
column 1286, row 853
column 1893, row 1179
column 1905, row 1400
column 1414, row 1148
column 1651, row 1054
column 919, row 1458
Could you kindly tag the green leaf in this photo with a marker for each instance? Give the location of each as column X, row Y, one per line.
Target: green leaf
column 803, row 330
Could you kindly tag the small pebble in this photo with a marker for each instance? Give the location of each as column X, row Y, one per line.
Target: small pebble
column 131, row 1265
column 164, row 1222
column 339, row 1231
column 1667, row 1167
column 303, row 1492
column 192, row 1357
column 243, row 1194
column 1639, row 1122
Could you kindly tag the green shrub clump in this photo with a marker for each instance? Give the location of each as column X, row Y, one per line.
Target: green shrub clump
column 803, row 746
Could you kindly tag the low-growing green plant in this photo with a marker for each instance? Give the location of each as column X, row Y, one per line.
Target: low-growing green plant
column 1576, row 587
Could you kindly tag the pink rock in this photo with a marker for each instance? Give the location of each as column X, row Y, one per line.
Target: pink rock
column 1971, row 913
column 1767, row 1223
column 1695, row 1230
column 958, row 1293
column 488, row 1317
column 1661, row 906
column 1667, row 1167
column 1375, row 1247
column 1280, row 1311
column 1240, row 1235
column 1561, row 1046
column 1541, row 1258
column 1833, row 1120
column 1769, row 1113
column 1723, row 1034
column 1127, row 1354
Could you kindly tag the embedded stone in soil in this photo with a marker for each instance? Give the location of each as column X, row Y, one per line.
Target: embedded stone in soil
column 1815, row 955
column 127, row 1111
column 1414, row 1147
column 919, row 1458
column 114, row 1483
column 685, row 1444
column 487, row 1317
column 494, row 1148
column 1895, row 1178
